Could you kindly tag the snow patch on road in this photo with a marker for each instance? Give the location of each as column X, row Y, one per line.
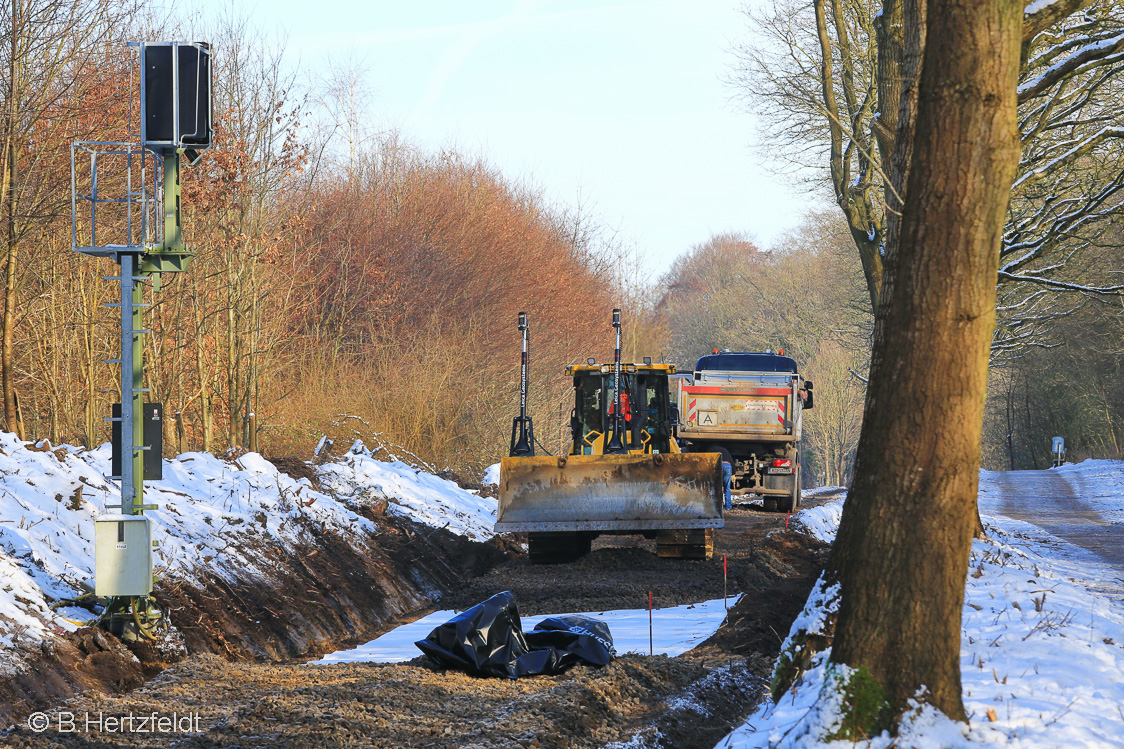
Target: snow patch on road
column 1100, row 483
column 1041, row 655
column 822, row 490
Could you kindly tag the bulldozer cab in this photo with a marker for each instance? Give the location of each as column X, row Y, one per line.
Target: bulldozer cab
column 645, row 405
column 623, row 473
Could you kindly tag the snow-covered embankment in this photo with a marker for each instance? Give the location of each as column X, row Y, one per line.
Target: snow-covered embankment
column 1042, row 648
column 225, row 530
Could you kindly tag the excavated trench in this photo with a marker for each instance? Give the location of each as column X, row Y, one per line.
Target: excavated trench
column 245, row 681
column 313, row 598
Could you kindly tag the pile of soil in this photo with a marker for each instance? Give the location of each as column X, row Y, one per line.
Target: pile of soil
column 318, row 596
column 86, row 660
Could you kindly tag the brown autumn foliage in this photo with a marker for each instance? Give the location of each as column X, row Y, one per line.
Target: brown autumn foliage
column 417, row 239
column 376, row 302
column 413, row 273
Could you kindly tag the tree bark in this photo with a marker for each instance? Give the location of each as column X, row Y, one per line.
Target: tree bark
column 901, row 555
column 889, row 29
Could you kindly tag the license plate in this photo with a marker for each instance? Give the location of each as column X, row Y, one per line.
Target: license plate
column 779, row 470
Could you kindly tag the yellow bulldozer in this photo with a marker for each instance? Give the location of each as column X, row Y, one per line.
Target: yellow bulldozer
column 622, row 474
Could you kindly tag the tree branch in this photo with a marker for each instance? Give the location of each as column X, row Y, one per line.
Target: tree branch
column 1092, row 55
column 1042, row 14
column 1063, row 286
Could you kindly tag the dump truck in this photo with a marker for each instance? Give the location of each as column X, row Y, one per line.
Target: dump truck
column 748, row 407
column 622, row 473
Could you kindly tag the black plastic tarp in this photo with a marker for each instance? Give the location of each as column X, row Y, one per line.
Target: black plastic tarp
column 488, row 640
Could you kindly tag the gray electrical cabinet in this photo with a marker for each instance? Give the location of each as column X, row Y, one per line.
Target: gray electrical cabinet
column 122, row 556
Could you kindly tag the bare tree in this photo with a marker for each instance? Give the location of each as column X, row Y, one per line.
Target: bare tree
column 816, row 84
column 1070, row 180
column 902, row 545
column 45, row 63
column 343, row 97
column 240, row 191
column 826, row 78
column 832, row 427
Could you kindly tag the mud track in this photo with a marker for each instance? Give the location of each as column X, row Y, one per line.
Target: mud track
column 1046, row 499
column 689, row 701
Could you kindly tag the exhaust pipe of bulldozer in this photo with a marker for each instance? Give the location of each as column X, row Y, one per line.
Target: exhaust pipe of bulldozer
column 616, row 442
column 522, row 431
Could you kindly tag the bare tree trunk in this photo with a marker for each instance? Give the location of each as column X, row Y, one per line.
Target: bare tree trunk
column 858, row 210
column 901, row 555
column 1108, row 417
column 1010, row 430
column 88, row 359
column 201, row 372
column 57, row 382
column 233, row 360
column 890, row 34
column 7, row 355
column 252, row 383
column 181, row 434
column 1031, row 447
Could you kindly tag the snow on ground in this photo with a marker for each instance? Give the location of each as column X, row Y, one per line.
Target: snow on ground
column 820, row 522
column 1042, row 651
column 822, row 490
column 492, row 475
column 1100, row 483
column 213, row 514
column 675, row 630
column 415, row 494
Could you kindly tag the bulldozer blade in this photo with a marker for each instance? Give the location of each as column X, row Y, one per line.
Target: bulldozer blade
column 610, row 493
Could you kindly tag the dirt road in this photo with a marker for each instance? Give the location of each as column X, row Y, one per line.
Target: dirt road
column 689, row 701
column 1046, row 499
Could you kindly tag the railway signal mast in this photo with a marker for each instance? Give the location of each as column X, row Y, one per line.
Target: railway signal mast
column 125, row 205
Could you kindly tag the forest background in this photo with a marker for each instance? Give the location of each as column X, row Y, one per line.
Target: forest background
column 349, row 284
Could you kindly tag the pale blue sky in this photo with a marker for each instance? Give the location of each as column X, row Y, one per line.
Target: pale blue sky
column 622, row 102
